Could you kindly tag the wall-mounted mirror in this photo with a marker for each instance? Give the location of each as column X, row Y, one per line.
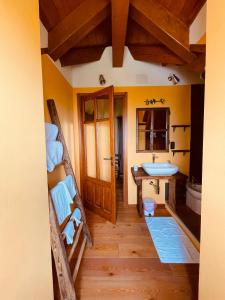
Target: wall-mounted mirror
column 152, row 129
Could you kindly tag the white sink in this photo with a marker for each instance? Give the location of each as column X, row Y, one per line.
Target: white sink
column 160, row 169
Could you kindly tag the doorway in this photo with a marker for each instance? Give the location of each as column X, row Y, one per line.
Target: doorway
column 98, row 160
column 120, row 123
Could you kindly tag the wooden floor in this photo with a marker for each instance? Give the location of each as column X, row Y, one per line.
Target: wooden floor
column 123, row 263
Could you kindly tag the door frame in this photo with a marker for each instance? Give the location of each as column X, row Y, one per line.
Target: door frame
column 125, row 135
column 81, row 148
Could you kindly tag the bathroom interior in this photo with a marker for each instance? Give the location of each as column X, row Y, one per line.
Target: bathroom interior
column 182, row 141
column 57, row 50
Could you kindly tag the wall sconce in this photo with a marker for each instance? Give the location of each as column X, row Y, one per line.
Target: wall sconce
column 174, row 79
column 154, row 101
column 102, row 80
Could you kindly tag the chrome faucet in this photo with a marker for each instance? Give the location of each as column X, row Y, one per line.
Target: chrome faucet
column 154, row 157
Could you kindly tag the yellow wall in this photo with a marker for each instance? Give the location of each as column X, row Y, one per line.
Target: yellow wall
column 178, row 99
column 25, row 259
column 202, row 40
column 56, row 87
column 212, row 259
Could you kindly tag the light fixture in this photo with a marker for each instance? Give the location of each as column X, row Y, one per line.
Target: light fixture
column 174, row 79
column 102, row 80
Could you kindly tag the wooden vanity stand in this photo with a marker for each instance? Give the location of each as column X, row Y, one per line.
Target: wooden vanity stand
column 141, row 175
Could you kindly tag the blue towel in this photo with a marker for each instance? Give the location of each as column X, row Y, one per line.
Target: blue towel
column 69, row 232
column 62, row 200
column 76, row 216
column 51, row 132
column 54, row 151
column 68, row 181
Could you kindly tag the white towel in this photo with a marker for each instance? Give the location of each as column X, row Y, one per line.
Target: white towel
column 51, row 132
column 62, row 200
column 76, row 216
column 54, row 153
column 68, row 181
column 69, row 232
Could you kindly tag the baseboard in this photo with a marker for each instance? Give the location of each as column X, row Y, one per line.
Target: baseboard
column 193, row 239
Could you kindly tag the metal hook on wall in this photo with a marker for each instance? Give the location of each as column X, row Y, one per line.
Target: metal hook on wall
column 154, row 101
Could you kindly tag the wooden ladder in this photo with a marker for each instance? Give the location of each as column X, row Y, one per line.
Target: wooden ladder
column 66, row 275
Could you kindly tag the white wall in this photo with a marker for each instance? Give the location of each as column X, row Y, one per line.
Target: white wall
column 198, row 27
column 133, row 73
column 65, row 71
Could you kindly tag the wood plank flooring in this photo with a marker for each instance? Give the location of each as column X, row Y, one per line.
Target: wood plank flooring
column 123, row 263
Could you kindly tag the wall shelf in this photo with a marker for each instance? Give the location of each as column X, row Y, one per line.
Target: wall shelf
column 180, row 126
column 184, row 151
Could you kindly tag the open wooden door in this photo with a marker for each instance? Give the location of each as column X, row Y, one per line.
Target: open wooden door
column 97, row 153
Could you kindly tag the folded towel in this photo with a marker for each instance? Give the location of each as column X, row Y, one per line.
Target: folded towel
column 54, row 151
column 76, row 216
column 68, row 181
column 51, row 132
column 69, row 232
column 62, row 200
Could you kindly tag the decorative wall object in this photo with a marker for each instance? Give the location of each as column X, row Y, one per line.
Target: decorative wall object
column 154, row 101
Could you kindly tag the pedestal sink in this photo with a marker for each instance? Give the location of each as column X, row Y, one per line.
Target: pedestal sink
column 160, row 169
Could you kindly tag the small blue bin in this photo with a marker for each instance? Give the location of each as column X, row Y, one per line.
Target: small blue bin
column 149, row 207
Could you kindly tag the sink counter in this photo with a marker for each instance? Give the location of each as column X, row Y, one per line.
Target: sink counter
column 140, row 175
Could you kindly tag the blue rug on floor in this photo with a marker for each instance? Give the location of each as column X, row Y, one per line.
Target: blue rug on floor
column 172, row 244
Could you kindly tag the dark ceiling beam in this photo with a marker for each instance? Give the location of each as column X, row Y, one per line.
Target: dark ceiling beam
column 44, row 51
column 137, row 35
column 156, row 54
column 194, row 12
column 74, row 27
column 164, row 26
column 100, row 36
column 78, row 56
column 48, row 13
column 120, row 9
column 198, row 65
column 198, row 48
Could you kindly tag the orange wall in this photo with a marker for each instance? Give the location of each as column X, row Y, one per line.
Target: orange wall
column 56, row 87
column 25, row 259
column 202, row 40
column 178, row 99
column 212, row 258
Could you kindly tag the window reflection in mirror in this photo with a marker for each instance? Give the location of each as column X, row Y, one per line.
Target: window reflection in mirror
column 152, row 129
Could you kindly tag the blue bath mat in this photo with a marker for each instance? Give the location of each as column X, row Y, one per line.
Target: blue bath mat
column 172, row 244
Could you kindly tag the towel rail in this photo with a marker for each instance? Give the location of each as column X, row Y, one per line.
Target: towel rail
column 75, row 271
column 75, row 241
column 62, row 259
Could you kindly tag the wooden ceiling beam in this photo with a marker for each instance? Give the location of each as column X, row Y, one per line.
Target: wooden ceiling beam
column 137, row 35
column 48, row 13
column 198, row 48
column 100, row 36
column 156, row 54
column 120, row 11
column 44, row 51
column 78, row 56
column 164, row 26
column 74, row 27
column 198, row 65
column 195, row 10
